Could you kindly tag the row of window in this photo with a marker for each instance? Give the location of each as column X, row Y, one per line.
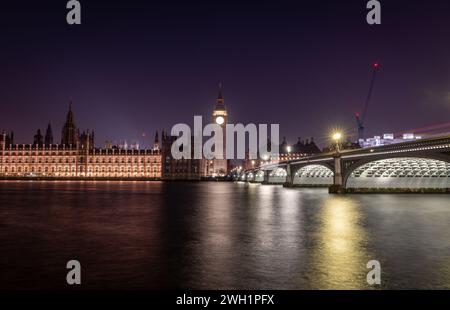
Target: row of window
column 73, row 169
column 93, row 174
column 73, row 153
column 12, row 153
column 81, row 160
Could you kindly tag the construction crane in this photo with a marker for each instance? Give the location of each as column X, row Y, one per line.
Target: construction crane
column 360, row 118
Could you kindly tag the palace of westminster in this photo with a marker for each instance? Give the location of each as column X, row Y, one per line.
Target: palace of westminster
column 76, row 157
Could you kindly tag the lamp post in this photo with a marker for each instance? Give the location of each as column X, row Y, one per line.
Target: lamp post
column 337, row 136
column 289, row 149
column 337, row 186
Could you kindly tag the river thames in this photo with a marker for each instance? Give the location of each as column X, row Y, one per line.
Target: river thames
column 207, row 235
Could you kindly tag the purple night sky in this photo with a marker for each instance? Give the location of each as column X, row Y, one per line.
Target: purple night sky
column 138, row 66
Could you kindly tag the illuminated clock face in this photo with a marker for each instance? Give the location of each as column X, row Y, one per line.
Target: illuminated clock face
column 220, row 120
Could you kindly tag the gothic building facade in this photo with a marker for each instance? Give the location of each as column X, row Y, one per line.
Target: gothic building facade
column 179, row 169
column 197, row 169
column 75, row 157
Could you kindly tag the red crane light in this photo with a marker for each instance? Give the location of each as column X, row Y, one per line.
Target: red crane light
column 376, row 65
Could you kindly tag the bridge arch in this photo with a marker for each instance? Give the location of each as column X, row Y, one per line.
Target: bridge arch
column 400, row 172
column 314, row 175
column 259, row 176
column 278, row 176
column 250, row 176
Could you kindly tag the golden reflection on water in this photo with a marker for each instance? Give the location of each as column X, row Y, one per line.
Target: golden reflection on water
column 444, row 274
column 339, row 259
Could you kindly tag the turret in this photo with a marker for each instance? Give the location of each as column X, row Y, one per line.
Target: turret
column 3, row 140
column 49, row 135
column 156, row 145
column 87, row 140
column 38, row 138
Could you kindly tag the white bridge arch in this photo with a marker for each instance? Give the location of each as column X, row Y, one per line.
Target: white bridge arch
column 278, row 176
column 402, row 172
column 314, row 175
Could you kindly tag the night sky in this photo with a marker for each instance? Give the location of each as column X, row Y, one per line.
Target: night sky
column 135, row 67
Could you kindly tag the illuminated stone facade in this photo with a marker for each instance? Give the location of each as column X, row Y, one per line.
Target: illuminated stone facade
column 76, row 157
column 59, row 161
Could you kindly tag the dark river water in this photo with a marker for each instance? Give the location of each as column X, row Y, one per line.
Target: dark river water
column 155, row 235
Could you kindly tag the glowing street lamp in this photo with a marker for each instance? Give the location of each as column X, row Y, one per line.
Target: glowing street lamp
column 337, row 136
column 289, row 148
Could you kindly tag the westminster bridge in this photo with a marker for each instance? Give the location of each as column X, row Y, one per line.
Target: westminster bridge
column 418, row 166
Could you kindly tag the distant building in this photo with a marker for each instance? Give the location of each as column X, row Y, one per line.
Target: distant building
column 388, row 138
column 76, row 157
column 344, row 145
column 287, row 152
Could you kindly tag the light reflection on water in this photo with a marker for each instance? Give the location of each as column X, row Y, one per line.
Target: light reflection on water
column 130, row 235
column 341, row 250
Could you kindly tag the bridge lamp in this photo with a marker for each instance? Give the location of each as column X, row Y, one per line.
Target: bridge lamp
column 337, row 136
column 289, row 148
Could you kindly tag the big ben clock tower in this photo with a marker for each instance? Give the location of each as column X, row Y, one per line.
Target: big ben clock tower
column 220, row 117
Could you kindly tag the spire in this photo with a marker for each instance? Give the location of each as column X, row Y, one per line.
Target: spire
column 70, row 134
column 220, row 96
column 70, row 113
column 220, row 102
column 49, row 135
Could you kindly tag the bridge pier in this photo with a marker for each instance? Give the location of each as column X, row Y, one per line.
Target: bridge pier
column 289, row 177
column 266, row 177
column 338, row 181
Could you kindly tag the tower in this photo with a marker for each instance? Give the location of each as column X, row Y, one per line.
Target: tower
column 69, row 134
column 156, row 145
column 38, row 138
column 6, row 139
column 86, row 140
column 49, row 135
column 3, row 140
column 220, row 117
